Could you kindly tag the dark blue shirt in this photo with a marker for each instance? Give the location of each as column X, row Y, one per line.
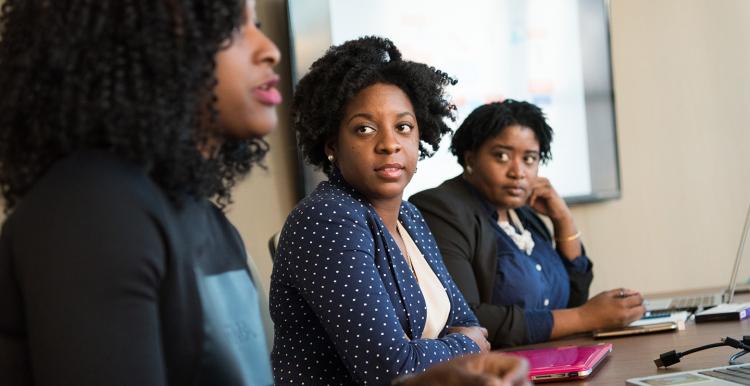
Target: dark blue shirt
column 346, row 308
column 539, row 283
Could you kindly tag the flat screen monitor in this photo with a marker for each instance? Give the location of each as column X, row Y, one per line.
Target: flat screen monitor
column 554, row 54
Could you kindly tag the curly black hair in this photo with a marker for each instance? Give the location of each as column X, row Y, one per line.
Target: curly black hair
column 132, row 77
column 335, row 79
column 489, row 120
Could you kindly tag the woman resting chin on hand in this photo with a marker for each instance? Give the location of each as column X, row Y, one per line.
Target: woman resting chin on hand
column 524, row 283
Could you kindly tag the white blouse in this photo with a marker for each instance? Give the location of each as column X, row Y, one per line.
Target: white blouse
column 438, row 304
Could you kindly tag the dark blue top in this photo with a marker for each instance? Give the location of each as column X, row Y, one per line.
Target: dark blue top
column 346, row 307
column 539, row 283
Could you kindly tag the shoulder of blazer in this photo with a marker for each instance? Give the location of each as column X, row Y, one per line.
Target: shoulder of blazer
column 452, row 193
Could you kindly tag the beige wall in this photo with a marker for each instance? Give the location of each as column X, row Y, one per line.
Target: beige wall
column 264, row 199
column 682, row 84
column 682, row 81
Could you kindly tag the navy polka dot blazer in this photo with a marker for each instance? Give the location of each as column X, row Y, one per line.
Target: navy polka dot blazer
column 345, row 305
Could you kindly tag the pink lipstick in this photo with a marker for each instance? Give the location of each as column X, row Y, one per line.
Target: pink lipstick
column 267, row 93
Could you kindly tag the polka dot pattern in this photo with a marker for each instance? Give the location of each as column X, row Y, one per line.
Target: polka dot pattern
column 346, row 308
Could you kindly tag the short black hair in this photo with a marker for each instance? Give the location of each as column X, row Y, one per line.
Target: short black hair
column 333, row 80
column 489, row 120
column 130, row 77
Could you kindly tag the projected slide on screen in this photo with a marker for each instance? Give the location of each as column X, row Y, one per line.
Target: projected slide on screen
column 535, row 50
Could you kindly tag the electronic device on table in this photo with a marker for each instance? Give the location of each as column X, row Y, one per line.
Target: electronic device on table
column 563, row 363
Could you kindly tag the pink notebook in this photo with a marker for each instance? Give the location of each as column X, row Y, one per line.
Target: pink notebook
column 563, row 363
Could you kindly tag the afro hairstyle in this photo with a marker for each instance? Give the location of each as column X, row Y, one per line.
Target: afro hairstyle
column 130, row 77
column 322, row 95
column 489, row 120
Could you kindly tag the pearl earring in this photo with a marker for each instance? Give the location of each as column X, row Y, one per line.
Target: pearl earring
column 469, row 170
column 331, row 158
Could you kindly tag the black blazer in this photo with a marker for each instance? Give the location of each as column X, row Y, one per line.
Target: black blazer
column 467, row 241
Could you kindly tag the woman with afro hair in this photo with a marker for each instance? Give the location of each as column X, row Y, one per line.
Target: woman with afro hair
column 359, row 293
column 119, row 121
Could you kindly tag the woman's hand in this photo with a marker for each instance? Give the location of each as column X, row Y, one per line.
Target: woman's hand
column 545, row 200
column 609, row 309
column 477, row 334
column 490, row 369
column 613, row 308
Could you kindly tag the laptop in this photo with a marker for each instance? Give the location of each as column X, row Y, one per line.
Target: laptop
column 695, row 302
column 563, row 363
column 724, row 375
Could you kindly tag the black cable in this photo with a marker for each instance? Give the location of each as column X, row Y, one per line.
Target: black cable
column 701, row 348
column 671, row 357
column 736, row 343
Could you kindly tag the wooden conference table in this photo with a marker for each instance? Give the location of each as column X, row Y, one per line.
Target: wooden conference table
column 634, row 356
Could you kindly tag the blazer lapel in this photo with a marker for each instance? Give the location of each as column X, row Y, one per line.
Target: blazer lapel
column 396, row 274
column 432, row 257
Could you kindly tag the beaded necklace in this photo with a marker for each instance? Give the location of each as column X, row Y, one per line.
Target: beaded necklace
column 523, row 240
